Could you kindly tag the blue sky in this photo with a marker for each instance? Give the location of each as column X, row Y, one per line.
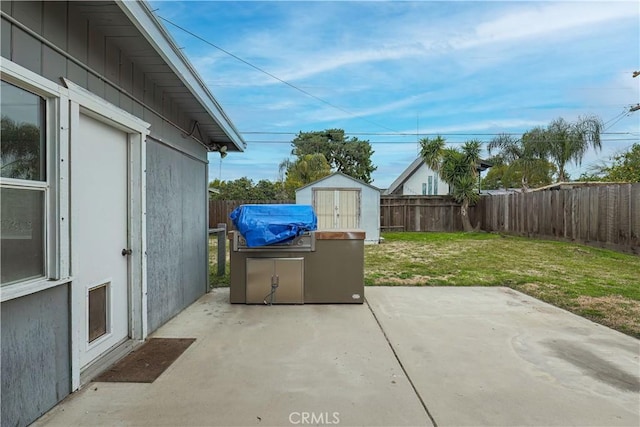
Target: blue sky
column 388, row 71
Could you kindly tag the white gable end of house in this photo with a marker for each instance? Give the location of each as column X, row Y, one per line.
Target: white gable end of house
column 418, row 180
column 425, row 182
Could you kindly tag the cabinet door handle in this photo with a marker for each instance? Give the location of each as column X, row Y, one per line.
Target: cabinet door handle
column 126, row 252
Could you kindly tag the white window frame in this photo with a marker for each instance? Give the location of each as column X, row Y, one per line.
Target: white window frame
column 56, row 229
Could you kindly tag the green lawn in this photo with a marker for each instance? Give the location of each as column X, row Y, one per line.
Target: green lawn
column 599, row 284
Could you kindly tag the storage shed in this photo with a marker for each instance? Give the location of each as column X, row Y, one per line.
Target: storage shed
column 342, row 202
column 106, row 130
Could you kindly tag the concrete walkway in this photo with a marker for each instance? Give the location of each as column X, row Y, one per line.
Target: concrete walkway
column 474, row 356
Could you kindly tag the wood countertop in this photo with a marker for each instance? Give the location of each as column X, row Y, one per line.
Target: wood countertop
column 340, row 234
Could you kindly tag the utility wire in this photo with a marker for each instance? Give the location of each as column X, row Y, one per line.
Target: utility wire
column 273, row 76
column 411, row 134
column 622, row 113
column 413, row 142
column 616, row 122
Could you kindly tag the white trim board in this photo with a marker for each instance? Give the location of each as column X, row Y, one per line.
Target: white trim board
column 85, row 102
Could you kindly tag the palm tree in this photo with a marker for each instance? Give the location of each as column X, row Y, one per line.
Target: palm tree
column 458, row 168
column 563, row 142
column 522, row 156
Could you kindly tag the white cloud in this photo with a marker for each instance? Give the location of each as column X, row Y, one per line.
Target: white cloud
column 503, row 125
column 545, row 20
column 333, row 114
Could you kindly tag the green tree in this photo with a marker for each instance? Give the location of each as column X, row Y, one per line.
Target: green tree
column 244, row 189
column 458, row 168
column 563, row 142
column 624, row 167
column 304, row 170
column 21, row 150
column 517, row 162
column 350, row 156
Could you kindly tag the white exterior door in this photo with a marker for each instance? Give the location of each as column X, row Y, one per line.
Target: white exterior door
column 99, row 196
column 337, row 209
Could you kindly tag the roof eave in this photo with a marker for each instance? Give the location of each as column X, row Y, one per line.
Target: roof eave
column 154, row 32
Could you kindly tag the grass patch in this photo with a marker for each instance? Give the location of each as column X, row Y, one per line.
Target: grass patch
column 216, row 281
column 598, row 284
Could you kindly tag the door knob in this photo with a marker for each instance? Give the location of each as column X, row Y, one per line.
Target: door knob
column 126, row 252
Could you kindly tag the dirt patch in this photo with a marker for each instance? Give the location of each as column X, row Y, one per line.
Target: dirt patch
column 614, row 311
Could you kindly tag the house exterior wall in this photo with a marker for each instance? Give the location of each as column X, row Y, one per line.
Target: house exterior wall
column 176, row 228
column 36, row 373
column 413, row 186
column 87, row 44
column 369, row 202
column 176, row 239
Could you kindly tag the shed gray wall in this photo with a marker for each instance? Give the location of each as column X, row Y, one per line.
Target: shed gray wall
column 36, row 368
column 177, row 241
column 369, row 202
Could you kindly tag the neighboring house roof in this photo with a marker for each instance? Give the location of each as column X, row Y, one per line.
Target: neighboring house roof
column 406, row 174
column 135, row 29
column 415, row 165
column 342, row 174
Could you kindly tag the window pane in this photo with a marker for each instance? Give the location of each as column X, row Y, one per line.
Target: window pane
column 23, row 134
column 22, row 230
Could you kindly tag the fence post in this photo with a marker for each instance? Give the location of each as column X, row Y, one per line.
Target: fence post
column 222, row 248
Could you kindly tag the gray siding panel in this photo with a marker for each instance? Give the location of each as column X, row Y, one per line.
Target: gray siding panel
column 26, row 50
column 5, row 39
column 54, row 26
column 54, row 65
column 6, row 6
column 36, row 371
column 176, row 232
column 194, row 229
column 76, row 74
column 29, row 13
column 77, row 39
column 164, row 230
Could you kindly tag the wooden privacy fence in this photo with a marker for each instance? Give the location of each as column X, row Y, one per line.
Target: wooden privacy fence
column 219, row 210
column 421, row 213
column 599, row 215
column 602, row 215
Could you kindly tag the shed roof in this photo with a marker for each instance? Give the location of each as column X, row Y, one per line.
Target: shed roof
column 135, row 29
column 339, row 174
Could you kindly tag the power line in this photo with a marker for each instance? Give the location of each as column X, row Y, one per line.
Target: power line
column 413, row 142
column 272, row 75
column 411, row 134
column 622, row 113
column 616, row 122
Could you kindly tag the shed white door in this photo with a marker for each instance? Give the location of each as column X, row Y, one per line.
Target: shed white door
column 337, row 208
column 100, row 202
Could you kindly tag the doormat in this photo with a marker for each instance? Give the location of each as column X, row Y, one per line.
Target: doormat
column 146, row 363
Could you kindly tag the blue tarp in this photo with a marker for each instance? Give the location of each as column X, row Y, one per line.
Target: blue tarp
column 262, row 225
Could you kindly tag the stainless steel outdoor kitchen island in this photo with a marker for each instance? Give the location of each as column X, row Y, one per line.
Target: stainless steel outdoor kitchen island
column 315, row 267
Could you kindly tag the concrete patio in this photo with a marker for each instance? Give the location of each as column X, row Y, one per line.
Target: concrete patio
column 410, row 356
